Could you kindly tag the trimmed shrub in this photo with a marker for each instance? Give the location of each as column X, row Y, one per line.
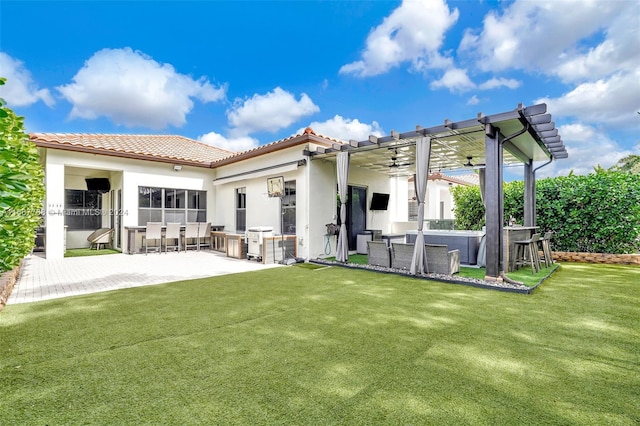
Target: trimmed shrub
column 468, row 207
column 595, row 213
column 21, row 189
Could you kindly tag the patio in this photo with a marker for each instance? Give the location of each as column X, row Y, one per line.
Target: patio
column 42, row 279
column 524, row 136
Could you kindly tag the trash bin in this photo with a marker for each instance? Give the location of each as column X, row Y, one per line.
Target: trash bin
column 361, row 241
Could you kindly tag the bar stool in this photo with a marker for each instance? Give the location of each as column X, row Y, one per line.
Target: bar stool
column 546, row 248
column 526, row 253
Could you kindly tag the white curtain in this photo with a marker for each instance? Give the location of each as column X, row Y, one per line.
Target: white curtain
column 342, row 166
column 423, row 151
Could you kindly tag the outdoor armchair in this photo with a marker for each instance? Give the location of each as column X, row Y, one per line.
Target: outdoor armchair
column 378, row 254
column 100, row 236
column 441, row 260
column 401, row 255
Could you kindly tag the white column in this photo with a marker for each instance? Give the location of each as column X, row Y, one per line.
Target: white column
column 54, row 215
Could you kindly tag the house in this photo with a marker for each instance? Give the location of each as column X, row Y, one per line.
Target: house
column 121, row 181
column 439, row 200
column 124, row 181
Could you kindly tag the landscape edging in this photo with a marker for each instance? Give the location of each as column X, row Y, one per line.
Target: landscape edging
column 612, row 259
column 440, row 278
column 7, row 280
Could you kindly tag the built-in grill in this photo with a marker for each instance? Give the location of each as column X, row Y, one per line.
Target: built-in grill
column 255, row 236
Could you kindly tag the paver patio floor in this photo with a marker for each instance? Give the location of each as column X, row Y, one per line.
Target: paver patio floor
column 42, row 279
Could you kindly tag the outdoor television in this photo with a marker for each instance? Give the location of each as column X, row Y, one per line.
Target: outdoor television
column 98, row 184
column 379, row 201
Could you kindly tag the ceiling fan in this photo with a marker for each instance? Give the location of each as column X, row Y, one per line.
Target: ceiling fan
column 394, row 161
column 469, row 164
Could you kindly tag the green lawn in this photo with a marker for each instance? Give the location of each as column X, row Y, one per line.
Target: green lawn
column 89, row 252
column 329, row 346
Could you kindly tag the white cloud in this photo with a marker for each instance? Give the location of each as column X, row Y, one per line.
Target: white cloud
column 617, row 52
column 232, row 144
column 587, row 147
column 454, row 79
column 345, row 128
column 413, row 32
column 537, row 36
column 500, row 82
column 132, row 89
column 20, row 89
column 613, row 101
column 271, row 112
column 473, row 100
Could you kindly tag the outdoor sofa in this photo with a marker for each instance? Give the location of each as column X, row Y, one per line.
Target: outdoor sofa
column 440, row 260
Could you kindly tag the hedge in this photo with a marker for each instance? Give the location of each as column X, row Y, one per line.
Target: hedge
column 21, row 189
column 594, row 213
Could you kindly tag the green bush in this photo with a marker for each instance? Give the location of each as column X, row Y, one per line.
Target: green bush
column 21, row 189
column 468, row 207
column 596, row 213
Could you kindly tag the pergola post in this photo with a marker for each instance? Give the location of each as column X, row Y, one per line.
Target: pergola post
column 494, row 204
column 529, row 194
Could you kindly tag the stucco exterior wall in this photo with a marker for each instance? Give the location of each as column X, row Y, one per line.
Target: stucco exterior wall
column 64, row 170
column 262, row 210
column 316, row 188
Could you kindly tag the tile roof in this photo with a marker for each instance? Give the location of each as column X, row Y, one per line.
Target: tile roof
column 167, row 148
column 307, row 136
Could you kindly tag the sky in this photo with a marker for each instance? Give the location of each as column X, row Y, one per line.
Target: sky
column 241, row 74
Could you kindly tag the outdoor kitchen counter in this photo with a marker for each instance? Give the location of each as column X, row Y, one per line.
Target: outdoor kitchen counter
column 133, row 235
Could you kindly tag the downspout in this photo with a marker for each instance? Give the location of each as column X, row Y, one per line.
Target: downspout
column 542, row 165
column 533, row 173
column 516, row 134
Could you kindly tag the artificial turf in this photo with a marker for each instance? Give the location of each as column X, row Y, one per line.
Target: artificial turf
column 89, row 252
column 328, row 346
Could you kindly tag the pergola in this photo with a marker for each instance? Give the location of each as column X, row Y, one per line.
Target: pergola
column 487, row 142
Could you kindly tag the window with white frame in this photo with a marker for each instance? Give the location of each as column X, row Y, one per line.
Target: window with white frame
column 168, row 205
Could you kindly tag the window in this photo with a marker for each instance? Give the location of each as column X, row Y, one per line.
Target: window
column 241, row 209
column 83, row 209
column 171, row 205
column 289, row 208
column 197, row 206
column 150, row 205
